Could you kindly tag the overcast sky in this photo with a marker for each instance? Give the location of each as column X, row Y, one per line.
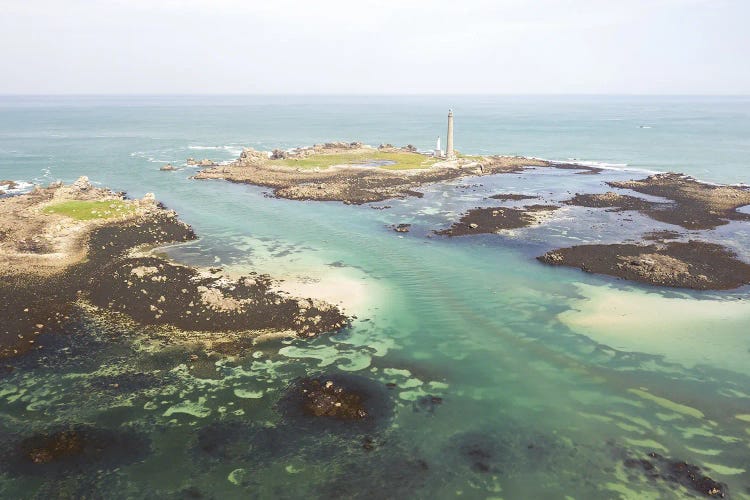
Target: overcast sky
column 384, row 46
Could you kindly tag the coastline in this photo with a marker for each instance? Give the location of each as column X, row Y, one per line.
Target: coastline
column 331, row 172
column 75, row 248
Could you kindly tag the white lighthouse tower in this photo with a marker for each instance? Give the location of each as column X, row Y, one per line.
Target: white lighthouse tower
column 438, row 150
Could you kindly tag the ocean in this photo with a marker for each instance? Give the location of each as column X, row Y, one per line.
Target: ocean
column 512, row 379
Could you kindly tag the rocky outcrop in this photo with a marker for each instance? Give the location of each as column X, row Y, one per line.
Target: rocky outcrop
column 200, row 163
column 168, row 168
column 353, row 185
column 85, row 263
column 694, row 204
column 694, row 264
column 493, row 219
column 250, row 156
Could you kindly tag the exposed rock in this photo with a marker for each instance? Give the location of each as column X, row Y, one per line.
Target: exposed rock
column 610, row 199
column 279, row 154
column 344, row 398
column 353, row 185
column 250, row 156
column 493, row 219
column 661, row 235
column 46, row 279
column 695, row 264
column 402, row 228
column 8, row 184
column 168, row 167
column 82, row 184
column 200, row 163
column 696, row 205
column 512, row 197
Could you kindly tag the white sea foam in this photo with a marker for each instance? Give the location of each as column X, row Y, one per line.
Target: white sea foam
column 233, row 149
column 21, row 187
column 624, row 167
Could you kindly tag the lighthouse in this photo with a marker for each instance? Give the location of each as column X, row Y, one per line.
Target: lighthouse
column 449, row 153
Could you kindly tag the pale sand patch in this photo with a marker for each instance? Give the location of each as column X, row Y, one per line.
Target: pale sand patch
column 352, row 295
column 681, row 329
column 354, row 292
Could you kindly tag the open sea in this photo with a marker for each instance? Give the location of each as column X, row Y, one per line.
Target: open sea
column 512, row 379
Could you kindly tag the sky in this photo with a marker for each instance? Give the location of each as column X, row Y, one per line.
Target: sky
column 374, row 47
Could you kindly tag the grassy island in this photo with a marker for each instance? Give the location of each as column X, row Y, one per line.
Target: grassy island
column 391, row 160
column 90, row 210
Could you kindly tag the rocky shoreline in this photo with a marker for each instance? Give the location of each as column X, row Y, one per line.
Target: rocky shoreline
column 61, row 259
column 693, row 264
column 689, row 203
column 337, row 172
column 493, row 219
column 350, row 182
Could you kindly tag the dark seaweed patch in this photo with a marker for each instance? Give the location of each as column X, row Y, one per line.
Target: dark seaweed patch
column 336, row 401
column 72, row 450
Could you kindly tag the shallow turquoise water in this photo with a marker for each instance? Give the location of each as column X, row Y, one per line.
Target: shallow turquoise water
column 557, row 375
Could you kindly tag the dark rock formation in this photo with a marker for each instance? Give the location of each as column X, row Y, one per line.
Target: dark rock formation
column 73, row 450
column 493, row 219
column 690, row 476
column 696, row 205
column 695, row 264
column 336, row 398
column 512, row 197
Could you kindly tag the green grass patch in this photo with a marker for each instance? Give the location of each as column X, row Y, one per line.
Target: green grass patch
column 401, row 160
column 90, row 210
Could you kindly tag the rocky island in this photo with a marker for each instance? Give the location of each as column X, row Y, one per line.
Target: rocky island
column 354, row 173
column 71, row 251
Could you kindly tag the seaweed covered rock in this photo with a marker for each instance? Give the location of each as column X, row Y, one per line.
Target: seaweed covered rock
column 676, row 471
column 75, row 449
column 343, row 398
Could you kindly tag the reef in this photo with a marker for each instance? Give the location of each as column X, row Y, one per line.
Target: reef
column 657, row 467
column 694, row 264
column 493, row 219
column 337, row 399
column 83, row 258
column 512, row 197
column 689, row 203
column 71, row 450
column 505, row 451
